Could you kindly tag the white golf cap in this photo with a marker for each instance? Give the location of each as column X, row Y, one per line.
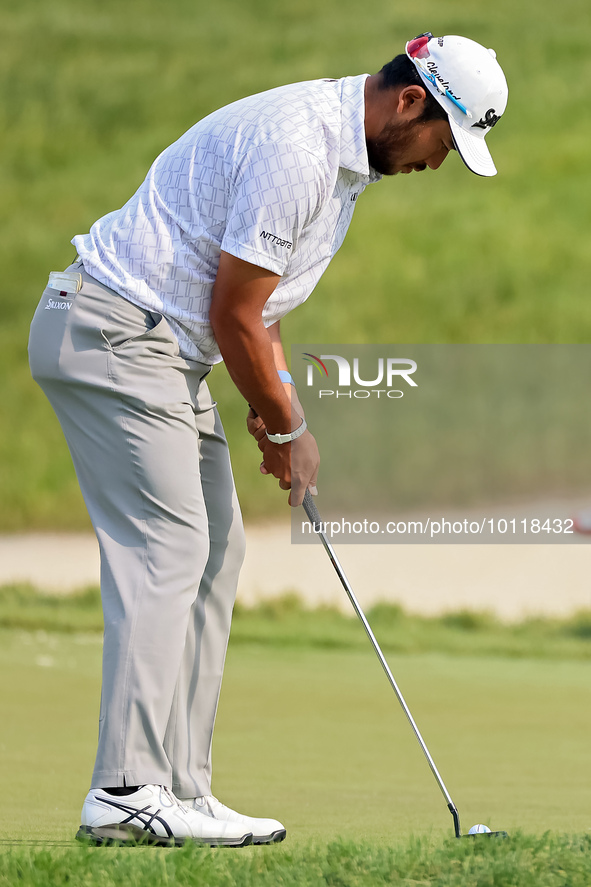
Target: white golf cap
column 469, row 84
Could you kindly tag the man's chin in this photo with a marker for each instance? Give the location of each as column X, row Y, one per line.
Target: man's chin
column 391, row 171
column 396, row 170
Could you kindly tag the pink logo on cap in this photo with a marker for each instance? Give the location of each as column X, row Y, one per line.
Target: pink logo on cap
column 417, row 48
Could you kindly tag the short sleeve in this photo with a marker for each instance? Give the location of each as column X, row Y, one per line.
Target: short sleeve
column 275, row 194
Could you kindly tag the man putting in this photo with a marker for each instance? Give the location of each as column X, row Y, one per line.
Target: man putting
column 232, row 229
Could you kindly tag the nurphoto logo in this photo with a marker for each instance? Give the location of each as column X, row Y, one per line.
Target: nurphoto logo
column 388, row 372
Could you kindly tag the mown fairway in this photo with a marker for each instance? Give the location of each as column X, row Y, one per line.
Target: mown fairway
column 309, row 732
column 316, row 738
column 92, row 92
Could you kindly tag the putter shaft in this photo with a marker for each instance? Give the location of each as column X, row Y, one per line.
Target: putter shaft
column 314, row 516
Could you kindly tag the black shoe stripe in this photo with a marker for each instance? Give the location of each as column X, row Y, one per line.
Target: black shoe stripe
column 133, row 813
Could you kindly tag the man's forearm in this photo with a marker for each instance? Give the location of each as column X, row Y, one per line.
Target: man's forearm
column 253, row 354
column 277, row 346
column 250, row 356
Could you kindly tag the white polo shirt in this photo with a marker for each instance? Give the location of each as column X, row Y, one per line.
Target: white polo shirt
column 272, row 179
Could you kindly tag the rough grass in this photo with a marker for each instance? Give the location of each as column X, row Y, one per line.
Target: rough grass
column 286, row 622
column 92, row 92
column 548, row 860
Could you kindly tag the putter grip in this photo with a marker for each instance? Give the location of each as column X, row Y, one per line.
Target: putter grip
column 311, row 510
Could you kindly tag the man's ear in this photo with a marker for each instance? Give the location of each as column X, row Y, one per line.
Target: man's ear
column 411, row 101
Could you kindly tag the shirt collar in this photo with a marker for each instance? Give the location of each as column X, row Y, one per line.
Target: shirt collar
column 353, row 145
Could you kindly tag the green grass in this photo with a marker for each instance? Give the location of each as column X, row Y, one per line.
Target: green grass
column 546, row 861
column 316, row 738
column 286, row 622
column 309, row 731
column 92, row 92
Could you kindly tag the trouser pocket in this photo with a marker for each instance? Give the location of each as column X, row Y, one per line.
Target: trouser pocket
column 127, row 322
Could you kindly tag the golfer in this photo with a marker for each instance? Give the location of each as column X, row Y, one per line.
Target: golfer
column 231, row 229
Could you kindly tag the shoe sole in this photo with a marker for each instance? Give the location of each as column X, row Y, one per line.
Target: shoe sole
column 274, row 838
column 132, row 836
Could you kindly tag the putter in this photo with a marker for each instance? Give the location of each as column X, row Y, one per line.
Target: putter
column 317, row 524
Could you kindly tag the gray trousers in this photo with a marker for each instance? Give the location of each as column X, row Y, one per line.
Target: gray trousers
column 153, row 466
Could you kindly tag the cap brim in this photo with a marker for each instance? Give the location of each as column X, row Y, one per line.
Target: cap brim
column 473, row 150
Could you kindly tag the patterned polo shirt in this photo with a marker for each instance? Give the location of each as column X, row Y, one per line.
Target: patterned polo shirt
column 272, row 179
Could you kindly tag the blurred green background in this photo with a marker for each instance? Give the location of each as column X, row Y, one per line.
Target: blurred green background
column 92, row 91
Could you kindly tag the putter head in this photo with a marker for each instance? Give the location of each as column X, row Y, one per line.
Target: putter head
column 458, row 831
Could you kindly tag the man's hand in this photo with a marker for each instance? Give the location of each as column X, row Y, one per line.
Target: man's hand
column 279, row 460
column 255, row 425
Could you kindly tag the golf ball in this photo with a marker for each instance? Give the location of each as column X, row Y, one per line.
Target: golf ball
column 479, row 829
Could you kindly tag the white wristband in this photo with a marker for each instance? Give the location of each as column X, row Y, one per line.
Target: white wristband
column 286, row 438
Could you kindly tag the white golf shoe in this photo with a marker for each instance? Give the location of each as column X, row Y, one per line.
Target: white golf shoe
column 153, row 815
column 264, row 831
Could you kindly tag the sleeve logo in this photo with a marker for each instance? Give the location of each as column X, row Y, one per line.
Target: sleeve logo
column 276, row 241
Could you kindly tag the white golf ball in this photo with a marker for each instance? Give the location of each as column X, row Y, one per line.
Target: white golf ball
column 479, row 829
